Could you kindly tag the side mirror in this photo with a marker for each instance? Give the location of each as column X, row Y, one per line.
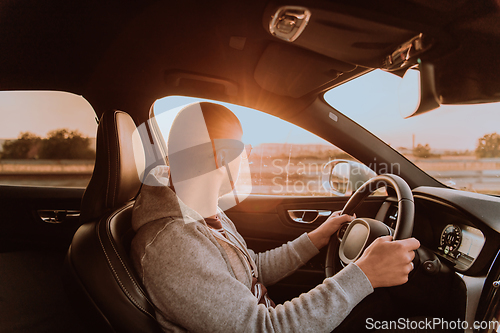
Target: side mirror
column 343, row 177
column 417, row 91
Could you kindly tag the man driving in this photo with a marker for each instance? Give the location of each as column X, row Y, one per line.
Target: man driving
column 197, row 268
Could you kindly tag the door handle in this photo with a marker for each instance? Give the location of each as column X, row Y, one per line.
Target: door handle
column 307, row 216
column 56, row 216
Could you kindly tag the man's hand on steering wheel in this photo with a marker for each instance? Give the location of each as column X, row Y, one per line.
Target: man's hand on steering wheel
column 383, row 254
column 387, row 263
column 322, row 234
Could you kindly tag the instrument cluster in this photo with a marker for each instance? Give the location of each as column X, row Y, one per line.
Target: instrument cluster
column 460, row 244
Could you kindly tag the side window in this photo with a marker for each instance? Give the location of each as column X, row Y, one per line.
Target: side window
column 47, row 138
column 285, row 159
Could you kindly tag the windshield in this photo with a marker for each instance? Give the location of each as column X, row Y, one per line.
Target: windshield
column 458, row 145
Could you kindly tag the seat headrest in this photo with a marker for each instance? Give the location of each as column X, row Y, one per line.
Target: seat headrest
column 118, row 166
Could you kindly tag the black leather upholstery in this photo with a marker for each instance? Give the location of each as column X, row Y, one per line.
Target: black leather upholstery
column 100, row 276
column 115, row 179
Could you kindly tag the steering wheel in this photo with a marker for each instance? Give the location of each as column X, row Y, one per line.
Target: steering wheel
column 361, row 232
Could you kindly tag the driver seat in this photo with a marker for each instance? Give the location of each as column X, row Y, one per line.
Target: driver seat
column 100, row 277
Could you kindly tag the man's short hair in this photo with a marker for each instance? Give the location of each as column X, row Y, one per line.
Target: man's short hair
column 221, row 122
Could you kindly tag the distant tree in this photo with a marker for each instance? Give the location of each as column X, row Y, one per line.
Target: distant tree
column 422, row 151
column 65, row 144
column 488, row 146
column 26, row 146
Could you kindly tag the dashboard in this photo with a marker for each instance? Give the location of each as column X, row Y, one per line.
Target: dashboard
column 461, row 230
column 447, row 230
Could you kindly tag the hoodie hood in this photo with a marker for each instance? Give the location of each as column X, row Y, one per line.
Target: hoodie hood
column 157, row 201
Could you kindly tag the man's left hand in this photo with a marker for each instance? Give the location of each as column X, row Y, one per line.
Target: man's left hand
column 321, row 235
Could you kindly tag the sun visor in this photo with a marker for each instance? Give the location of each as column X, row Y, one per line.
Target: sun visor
column 289, row 71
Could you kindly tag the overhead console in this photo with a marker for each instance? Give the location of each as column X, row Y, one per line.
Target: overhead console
column 317, row 46
column 377, row 33
column 344, row 37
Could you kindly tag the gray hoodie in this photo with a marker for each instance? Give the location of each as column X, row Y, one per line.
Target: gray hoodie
column 200, row 283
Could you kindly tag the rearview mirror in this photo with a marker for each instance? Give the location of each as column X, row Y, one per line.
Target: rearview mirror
column 343, row 177
column 417, row 91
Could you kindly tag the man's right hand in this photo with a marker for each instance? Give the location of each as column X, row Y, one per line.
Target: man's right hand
column 386, row 262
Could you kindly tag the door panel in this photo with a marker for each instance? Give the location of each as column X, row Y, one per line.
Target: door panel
column 265, row 224
column 31, row 258
column 22, row 228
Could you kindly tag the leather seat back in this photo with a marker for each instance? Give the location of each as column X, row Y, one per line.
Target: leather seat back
column 100, row 276
column 119, row 166
column 106, row 286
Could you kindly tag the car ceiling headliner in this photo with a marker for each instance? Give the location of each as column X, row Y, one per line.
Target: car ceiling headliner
column 118, row 54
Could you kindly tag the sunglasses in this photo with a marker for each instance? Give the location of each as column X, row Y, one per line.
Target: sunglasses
column 233, row 148
column 184, row 163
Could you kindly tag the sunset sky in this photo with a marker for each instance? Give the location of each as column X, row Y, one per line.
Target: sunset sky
column 41, row 111
column 258, row 127
column 371, row 102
